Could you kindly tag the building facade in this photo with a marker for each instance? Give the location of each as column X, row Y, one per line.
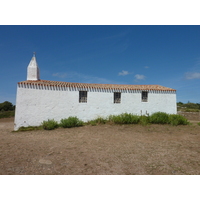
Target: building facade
column 38, row 100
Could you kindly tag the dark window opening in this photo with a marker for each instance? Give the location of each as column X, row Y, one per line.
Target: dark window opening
column 144, row 96
column 82, row 96
column 117, row 97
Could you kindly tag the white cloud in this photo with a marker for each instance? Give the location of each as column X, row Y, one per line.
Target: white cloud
column 146, row 67
column 192, row 75
column 60, row 75
column 123, row 73
column 139, row 77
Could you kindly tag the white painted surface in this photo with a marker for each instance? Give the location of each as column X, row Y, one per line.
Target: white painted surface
column 33, row 70
column 36, row 105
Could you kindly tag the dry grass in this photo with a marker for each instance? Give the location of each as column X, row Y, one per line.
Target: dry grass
column 102, row 149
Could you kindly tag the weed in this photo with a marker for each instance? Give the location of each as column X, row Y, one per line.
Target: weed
column 99, row 120
column 124, row 118
column 144, row 120
column 50, row 124
column 92, row 122
column 71, row 122
column 198, row 123
column 116, row 119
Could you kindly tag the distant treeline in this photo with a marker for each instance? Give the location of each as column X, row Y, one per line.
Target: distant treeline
column 188, row 107
column 7, row 109
column 6, row 106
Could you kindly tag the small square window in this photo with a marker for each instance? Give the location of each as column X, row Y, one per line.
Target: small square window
column 82, row 96
column 144, row 96
column 117, row 97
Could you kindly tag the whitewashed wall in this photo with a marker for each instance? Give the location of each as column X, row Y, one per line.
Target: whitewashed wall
column 35, row 105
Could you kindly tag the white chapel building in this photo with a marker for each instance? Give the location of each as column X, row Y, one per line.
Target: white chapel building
column 38, row 100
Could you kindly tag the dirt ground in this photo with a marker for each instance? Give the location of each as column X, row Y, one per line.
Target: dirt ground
column 102, row 149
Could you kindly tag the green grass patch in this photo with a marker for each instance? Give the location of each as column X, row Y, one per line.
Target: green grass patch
column 30, row 128
column 71, row 122
column 50, row 124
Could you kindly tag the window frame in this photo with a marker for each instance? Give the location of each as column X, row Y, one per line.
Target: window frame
column 83, row 96
column 117, row 97
column 144, row 96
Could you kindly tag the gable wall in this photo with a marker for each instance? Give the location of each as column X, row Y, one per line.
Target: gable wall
column 37, row 103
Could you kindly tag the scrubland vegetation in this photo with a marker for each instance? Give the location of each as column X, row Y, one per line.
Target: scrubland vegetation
column 124, row 118
column 188, row 107
column 156, row 118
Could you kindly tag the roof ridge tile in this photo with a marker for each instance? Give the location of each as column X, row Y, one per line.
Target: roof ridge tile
column 97, row 85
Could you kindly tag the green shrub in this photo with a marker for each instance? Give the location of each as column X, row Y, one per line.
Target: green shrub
column 198, row 123
column 71, row 122
column 116, row 119
column 177, row 120
column 144, row 120
column 50, row 124
column 124, row 118
column 159, row 118
column 99, row 120
column 129, row 118
column 92, row 122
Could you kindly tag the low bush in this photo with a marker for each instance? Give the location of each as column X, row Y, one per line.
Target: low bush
column 124, row 118
column 116, row 119
column 71, row 122
column 92, row 123
column 129, row 118
column 159, row 118
column 99, row 120
column 177, row 120
column 50, row 124
column 198, row 123
column 144, row 120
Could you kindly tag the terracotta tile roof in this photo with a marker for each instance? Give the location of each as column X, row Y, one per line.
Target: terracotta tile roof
column 97, row 86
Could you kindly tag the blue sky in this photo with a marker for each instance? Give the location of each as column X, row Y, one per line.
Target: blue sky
column 163, row 55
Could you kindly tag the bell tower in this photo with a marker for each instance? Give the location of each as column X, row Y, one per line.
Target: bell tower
column 33, row 72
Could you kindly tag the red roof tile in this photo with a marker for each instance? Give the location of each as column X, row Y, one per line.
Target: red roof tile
column 97, row 86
